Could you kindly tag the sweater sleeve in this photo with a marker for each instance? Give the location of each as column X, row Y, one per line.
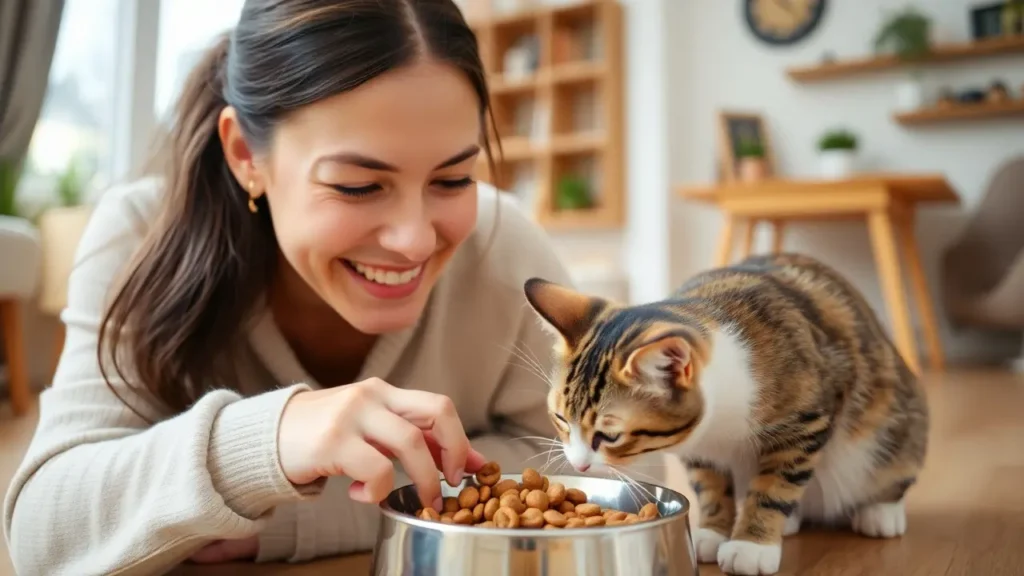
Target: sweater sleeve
column 100, row 490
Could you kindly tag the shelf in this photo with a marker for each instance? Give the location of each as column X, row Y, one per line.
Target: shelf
column 958, row 112
column 940, row 54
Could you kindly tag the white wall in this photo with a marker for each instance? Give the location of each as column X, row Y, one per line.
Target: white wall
column 716, row 63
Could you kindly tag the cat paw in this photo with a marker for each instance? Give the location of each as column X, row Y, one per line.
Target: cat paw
column 886, row 520
column 744, row 558
column 792, row 524
column 705, row 543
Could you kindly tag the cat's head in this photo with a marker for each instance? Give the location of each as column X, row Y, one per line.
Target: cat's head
column 626, row 377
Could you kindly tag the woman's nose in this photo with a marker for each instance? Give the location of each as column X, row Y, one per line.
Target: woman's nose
column 410, row 232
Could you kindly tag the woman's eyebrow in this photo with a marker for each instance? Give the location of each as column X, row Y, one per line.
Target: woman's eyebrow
column 369, row 163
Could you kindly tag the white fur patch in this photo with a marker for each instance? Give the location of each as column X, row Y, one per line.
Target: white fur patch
column 886, row 520
column 705, row 544
column 843, row 478
column 749, row 559
column 792, row 524
column 724, row 435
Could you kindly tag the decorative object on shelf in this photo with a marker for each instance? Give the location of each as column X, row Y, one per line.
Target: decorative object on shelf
column 522, row 58
column 837, row 151
column 783, row 22
column 997, row 92
column 910, row 92
column 972, row 96
column 573, row 194
column 907, row 34
column 987, row 21
column 741, row 130
column 753, row 166
column 505, row 7
column 1013, row 18
column 946, row 98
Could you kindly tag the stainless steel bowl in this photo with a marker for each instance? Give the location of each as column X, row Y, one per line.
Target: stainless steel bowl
column 408, row 546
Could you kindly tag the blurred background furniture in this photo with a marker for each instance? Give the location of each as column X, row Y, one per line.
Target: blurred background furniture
column 19, row 279
column 887, row 203
column 983, row 271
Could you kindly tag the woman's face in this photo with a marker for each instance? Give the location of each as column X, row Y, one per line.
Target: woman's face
column 371, row 191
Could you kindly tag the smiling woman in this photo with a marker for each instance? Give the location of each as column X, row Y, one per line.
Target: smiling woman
column 313, row 305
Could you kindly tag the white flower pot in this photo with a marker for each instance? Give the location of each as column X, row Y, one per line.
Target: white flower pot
column 909, row 95
column 836, row 164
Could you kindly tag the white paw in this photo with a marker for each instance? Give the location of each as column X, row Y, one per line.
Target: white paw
column 749, row 559
column 706, row 542
column 792, row 524
column 886, row 520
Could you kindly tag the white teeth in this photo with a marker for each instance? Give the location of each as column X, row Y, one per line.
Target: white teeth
column 387, row 277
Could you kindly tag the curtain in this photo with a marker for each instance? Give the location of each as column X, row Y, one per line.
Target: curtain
column 28, row 37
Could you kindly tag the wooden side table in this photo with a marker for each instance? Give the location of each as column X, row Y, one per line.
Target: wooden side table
column 887, row 204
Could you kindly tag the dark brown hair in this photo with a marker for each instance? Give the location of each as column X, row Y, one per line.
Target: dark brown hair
column 177, row 316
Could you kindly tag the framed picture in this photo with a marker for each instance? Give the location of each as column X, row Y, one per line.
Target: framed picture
column 740, row 135
column 987, row 20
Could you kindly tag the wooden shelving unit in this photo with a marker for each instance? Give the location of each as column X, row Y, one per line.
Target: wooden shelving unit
column 562, row 117
column 940, row 54
column 957, row 112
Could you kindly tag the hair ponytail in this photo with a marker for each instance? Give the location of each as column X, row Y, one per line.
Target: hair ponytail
column 205, row 250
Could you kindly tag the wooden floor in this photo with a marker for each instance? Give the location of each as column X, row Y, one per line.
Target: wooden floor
column 965, row 516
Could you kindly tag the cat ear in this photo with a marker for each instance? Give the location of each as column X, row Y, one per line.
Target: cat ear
column 566, row 312
column 666, row 359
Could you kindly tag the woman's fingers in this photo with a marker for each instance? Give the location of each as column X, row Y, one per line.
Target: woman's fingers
column 407, row 443
column 436, row 413
column 372, row 472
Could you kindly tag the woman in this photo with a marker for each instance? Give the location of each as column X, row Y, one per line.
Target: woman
column 307, row 311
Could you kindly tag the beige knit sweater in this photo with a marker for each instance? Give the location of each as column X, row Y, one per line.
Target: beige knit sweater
column 101, row 492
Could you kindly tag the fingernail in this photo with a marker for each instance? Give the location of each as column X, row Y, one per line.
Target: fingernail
column 459, row 475
column 438, row 504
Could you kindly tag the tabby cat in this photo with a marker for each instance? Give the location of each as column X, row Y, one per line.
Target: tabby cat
column 772, row 379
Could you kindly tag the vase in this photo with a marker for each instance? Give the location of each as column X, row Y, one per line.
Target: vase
column 909, row 95
column 752, row 169
column 836, row 164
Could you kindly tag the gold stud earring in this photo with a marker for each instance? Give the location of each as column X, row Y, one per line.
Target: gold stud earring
column 252, row 201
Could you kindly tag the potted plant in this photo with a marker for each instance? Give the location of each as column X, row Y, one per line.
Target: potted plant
column 751, row 155
column 573, row 194
column 10, row 173
column 907, row 34
column 837, row 152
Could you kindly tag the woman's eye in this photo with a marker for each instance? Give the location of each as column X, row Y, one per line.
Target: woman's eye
column 455, row 184
column 602, row 438
column 356, row 190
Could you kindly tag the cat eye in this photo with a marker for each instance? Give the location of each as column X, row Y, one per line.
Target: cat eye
column 601, row 437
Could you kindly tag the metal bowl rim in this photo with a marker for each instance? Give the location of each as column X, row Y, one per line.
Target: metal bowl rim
column 682, row 514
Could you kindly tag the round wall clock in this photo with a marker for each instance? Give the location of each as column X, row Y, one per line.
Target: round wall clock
column 783, row 22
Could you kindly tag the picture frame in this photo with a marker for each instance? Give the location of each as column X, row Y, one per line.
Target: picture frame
column 734, row 127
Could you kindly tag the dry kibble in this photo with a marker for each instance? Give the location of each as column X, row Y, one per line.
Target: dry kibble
column 504, row 486
column 575, row 495
column 506, row 518
column 523, row 493
column 588, row 510
column 448, row 515
column 511, row 500
column 451, row 504
column 532, row 479
column 613, row 522
column 478, row 512
column 649, row 511
column 551, row 527
column 485, row 493
column 489, row 474
column 487, row 524
column 544, row 486
column 570, row 514
column 447, row 520
column 532, row 518
column 555, row 518
column 469, row 497
column 566, row 507
column 574, row 523
column 537, row 499
column 490, row 508
column 632, row 518
column 429, row 514
column 594, row 521
column 463, row 517
column 615, row 515
column 556, row 494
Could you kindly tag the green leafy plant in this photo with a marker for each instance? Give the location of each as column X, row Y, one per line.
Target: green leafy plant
column 750, row 148
column 70, row 185
column 907, row 34
column 10, row 174
column 573, row 194
column 838, row 140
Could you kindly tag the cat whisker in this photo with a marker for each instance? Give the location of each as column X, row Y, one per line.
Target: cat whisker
column 629, row 486
column 638, row 485
column 545, row 453
column 531, row 365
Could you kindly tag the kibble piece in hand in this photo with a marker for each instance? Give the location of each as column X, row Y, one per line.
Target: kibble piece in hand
column 489, row 474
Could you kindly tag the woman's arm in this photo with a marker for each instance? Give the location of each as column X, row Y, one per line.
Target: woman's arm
column 100, row 490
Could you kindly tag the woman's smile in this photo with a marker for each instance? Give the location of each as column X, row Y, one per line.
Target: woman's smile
column 386, row 282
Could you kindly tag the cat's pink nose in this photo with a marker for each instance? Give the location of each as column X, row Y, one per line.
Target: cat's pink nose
column 583, row 467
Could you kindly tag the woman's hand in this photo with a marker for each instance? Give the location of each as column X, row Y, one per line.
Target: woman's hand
column 355, row 430
column 227, row 550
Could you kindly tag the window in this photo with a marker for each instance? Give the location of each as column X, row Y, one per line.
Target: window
column 187, row 29
column 76, row 122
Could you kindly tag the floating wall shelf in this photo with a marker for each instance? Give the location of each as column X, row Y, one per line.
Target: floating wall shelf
column 958, row 112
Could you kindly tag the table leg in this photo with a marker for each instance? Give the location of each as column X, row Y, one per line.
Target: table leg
column 778, row 228
column 883, row 242
column 749, row 228
column 922, row 296
column 14, row 351
column 725, row 242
